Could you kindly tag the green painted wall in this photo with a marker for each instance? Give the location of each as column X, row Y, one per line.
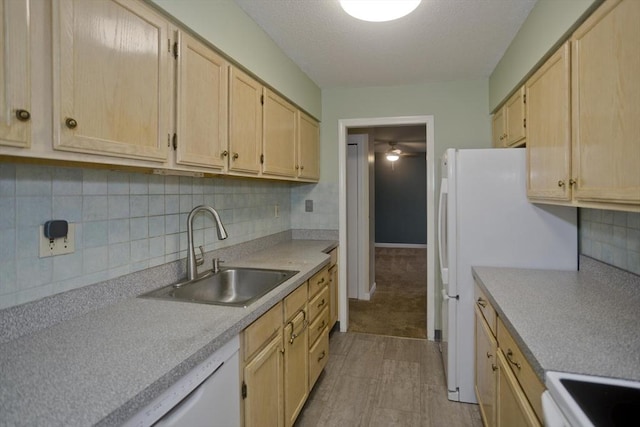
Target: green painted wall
column 233, row 32
column 547, row 23
column 460, row 110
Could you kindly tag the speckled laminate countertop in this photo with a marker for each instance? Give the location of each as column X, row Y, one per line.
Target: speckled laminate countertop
column 571, row 321
column 104, row 366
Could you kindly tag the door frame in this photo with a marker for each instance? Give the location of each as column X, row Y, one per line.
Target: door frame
column 343, row 125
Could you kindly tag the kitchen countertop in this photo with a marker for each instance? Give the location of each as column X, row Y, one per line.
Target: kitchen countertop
column 104, row 366
column 571, row 321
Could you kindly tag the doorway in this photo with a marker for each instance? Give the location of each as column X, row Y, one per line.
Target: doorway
column 363, row 263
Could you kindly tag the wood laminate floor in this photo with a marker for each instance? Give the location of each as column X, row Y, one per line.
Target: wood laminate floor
column 373, row 380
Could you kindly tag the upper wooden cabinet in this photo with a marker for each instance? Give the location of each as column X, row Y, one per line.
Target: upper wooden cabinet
column 606, row 105
column 201, row 109
column 509, row 122
column 279, row 136
column 111, row 85
column 245, row 123
column 549, row 129
column 308, row 164
column 583, row 138
column 15, row 82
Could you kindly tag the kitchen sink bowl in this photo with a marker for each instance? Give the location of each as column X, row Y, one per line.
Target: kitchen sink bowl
column 587, row 400
column 233, row 286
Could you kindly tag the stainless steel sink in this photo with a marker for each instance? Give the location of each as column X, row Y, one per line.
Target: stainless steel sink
column 234, row 286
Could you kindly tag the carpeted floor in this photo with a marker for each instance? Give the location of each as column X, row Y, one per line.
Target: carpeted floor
column 399, row 304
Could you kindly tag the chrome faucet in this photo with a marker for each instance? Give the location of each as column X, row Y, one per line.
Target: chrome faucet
column 192, row 260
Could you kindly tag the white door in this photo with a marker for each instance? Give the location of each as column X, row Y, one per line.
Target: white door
column 352, row 217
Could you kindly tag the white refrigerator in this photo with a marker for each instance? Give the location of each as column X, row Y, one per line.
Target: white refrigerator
column 485, row 219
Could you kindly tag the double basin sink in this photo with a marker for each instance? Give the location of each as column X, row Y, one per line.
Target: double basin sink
column 233, row 286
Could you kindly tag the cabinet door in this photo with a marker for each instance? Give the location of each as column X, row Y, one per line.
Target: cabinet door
column 15, row 81
column 606, row 90
column 498, row 127
column 308, row 165
column 279, row 136
column 549, row 129
column 111, row 86
column 486, row 366
column 515, row 119
column 201, row 105
column 333, row 292
column 513, row 407
column 263, row 376
column 296, row 367
column 245, row 123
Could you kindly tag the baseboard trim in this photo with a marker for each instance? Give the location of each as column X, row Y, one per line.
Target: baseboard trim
column 401, row 245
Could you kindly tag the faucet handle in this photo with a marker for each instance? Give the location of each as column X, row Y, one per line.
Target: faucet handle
column 200, row 259
column 216, row 265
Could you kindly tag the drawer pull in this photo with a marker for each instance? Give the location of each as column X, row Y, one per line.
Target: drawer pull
column 322, row 355
column 321, row 303
column 494, row 367
column 293, row 336
column 510, row 358
column 489, row 355
column 321, row 326
column 482, row 303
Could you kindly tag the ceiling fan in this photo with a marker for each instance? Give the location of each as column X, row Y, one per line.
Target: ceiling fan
column 393, row 153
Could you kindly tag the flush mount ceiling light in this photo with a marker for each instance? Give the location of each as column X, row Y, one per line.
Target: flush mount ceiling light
column 379, row 10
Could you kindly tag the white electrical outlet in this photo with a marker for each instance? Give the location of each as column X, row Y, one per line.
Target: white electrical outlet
column 59, row 246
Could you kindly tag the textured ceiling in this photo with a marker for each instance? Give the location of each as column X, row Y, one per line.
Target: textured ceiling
column 442, row 40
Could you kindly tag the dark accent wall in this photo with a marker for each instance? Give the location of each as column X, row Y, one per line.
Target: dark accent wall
column 401, row 200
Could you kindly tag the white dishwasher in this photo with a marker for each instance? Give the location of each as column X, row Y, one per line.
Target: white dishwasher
column 209, row 395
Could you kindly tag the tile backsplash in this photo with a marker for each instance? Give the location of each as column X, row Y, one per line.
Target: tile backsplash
column 611, row 237
column 125, row 222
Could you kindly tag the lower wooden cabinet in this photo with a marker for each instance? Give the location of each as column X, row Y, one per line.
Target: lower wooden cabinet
column 513, row 407
column 296, row 356
column 486, row 370
column 319, row 328
column 333, row 288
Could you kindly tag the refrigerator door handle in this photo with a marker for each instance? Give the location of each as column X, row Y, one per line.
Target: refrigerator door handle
column 446, row 296
column 442, row 224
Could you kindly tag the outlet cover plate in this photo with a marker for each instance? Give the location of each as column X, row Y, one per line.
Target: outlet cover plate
column 59, row 246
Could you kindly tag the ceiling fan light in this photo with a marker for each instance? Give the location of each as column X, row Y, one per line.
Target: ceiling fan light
column 379, row 10
column 392, row 156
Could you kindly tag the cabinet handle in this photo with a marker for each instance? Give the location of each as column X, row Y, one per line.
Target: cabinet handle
column 321, row 327
column 494, row 367
column 561, row 183
column 235, row 156
column 482, row 303
column 297, row 167
column 321, row 303
column 71, row 123
column 510, row 358
column 23, row 115
column 489, row 355
column 225, row 153
column 320, row 282
column 322, row 355
column 572, row 182
column 301, row 167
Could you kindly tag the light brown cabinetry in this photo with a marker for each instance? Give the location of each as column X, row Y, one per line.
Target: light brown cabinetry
column 201, row 107
column 245, row 123
column 549, row 130
column 319, row 328
column 111, row 79
column 15, row 81
column 508, row 390
column 308, row 148
column 263, row 372
column 508, row 123
column 279, row 136
column 296, row 355
column 583, row 137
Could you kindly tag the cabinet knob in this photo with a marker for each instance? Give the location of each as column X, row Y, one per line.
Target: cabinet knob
column 297, row 167
column 71, row 123
column 561, row 183
column 235, row 156
column 489, row 355
column 493, row 367
column 225, row 153
column 482, row 303
column 572, row 182
column 301, row 167
column 23, row 115
column 322, row 355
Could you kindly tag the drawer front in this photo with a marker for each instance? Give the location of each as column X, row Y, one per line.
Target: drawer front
column 295, row 301
column 318, row 326
column 522, row 370
column 318, row 281
column 334, row 257
column 489, row 314
column 318, row 303
column 318, row 356
column 257, row 334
